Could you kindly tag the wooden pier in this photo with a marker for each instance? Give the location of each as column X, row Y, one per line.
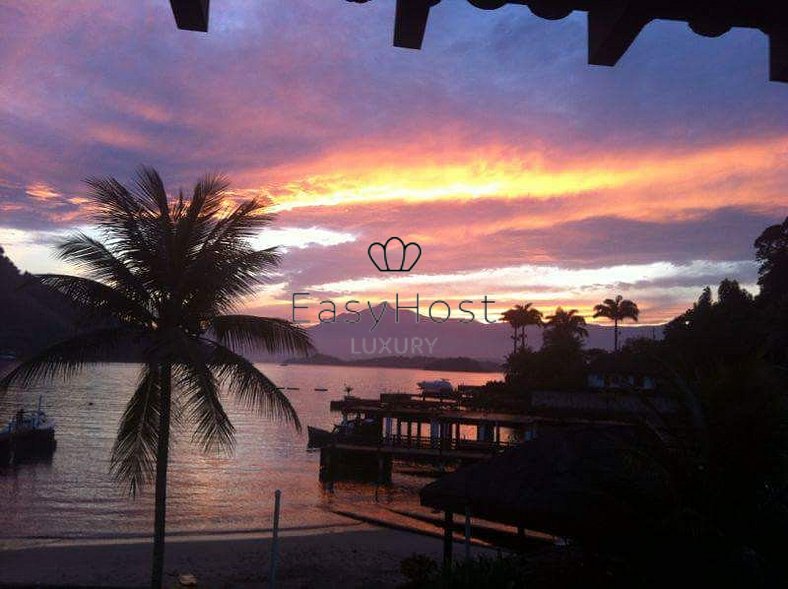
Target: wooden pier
column 416, row 429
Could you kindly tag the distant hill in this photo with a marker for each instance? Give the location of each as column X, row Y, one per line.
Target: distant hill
column 31, row 316
column 451, row 339
column 459, row 364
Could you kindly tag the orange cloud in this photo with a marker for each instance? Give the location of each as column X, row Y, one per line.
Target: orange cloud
column 122, row 137
column 42, row 191
column 629, row 181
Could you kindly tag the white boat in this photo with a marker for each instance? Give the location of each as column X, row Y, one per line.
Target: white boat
column 435, row 388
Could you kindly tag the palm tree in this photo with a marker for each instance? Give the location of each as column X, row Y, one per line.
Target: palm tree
column 529, row 315
column 167, row 276
column 565, row 327
column 513, row 318
column 617, row 310
column 520, row 317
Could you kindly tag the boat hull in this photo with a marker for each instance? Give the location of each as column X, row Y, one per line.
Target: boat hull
column 38, row 442
column 318, row 438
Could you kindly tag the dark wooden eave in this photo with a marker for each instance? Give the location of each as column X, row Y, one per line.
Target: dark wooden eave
column 613, row 25
column 191, row 15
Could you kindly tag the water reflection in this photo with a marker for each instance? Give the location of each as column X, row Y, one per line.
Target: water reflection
column 72, row 494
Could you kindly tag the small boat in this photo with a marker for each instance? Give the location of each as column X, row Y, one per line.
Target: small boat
column 368, row 428
column 435, row 388
column 321, row 390
column 318, row 438
column 29, row 433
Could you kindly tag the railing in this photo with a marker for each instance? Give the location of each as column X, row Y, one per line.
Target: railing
column 425, row 443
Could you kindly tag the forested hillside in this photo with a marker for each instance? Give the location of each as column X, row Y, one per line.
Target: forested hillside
column 30, row 315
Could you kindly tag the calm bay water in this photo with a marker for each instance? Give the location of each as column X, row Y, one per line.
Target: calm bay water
column 73, row 496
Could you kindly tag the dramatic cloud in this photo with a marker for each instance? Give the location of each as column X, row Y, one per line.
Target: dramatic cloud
column 524, row 173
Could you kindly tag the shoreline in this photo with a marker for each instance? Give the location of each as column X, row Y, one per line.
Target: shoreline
column 29, row 542
column 359, row 555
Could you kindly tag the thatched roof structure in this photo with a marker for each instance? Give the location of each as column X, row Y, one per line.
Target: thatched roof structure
column 578, row 481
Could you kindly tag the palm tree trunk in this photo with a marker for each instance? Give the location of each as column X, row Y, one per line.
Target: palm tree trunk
column 162, row 457
column 615, row 335
column 514, row 339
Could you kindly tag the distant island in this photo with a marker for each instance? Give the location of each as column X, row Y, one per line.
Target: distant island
column 457, row 364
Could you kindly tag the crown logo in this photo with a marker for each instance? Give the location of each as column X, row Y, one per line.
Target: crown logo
column 395, row 255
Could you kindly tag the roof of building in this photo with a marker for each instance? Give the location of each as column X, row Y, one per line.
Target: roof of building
column 572, row 482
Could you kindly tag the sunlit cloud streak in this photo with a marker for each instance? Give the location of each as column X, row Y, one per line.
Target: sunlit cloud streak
column 522, row 172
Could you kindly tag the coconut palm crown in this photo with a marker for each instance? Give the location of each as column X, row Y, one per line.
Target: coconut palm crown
column 565, row 328
column 166, row 276
column 520, row 317
column 617, row 310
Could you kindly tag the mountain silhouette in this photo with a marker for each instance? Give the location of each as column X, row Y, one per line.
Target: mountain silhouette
column 452, row 338
column 31, row 316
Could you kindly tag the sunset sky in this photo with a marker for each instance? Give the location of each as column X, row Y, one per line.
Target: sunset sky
column 524, row 173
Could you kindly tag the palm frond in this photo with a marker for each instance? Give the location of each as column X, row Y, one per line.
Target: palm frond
column 199, row 388
column 195, row 220
column 102, row 265
column 250, row 387
column 215, row 284
column 247, row 332
column 133, row 461
column 241, row 224
column 130, row 228
column 151, row 194
column 97, row 299
column 67, row 358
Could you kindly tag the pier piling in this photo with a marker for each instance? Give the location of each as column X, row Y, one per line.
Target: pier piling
column 448, row 526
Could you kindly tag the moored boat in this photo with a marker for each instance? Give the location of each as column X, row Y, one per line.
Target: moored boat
column 435, row 388
column 318, row 438
column 349, row 428
column 28, row 433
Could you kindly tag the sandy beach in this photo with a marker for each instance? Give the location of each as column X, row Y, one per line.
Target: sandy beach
column 356, row 555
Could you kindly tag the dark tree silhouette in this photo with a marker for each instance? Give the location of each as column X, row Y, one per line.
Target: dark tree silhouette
column 714, row 332
column 771, row 250
column 167, row 275
column 617, row 310
column 565, row 329
column 512, row 317
column 520, row 317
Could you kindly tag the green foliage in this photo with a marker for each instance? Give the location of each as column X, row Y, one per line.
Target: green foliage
column 642, row 347
column 559, row 364
column 722, row 465
column 714, row 332
column 565, row 331
column 617, row 310
column 520, row 317
column 771, row 250
column 552, row 368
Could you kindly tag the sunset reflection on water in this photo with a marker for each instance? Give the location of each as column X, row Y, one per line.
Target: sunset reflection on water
column 73, row 495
